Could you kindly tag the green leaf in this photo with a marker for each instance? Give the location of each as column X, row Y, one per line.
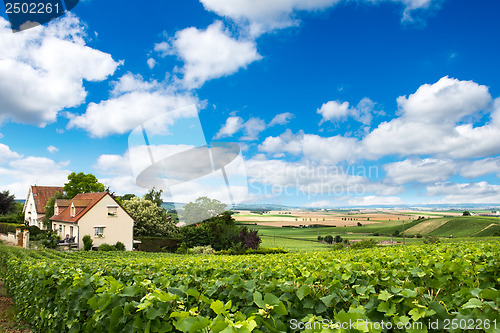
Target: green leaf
column 384, row 295
column 217, row 306
column 473, row 303
column 327, row 300
column 303, row 292
column 257, row 298
column 271, row 299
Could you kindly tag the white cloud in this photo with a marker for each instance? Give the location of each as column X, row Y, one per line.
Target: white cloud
column 252, row 128
column 262, row 16
column 6, row 154
column 134, row 101
column 21, row 172
column 335, row 111
column 42, row 70
column 209, row 54
column 231, row 127
column 52, row 149
column 481, row 167
column 371, row 200
column 151, row 63
column 428, row 123
column 282, row 119
column 428, row 170
column 286, row 142
column 446, row 101
column 481, row 192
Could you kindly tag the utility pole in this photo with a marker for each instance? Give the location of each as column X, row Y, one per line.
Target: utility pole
column 404, row 232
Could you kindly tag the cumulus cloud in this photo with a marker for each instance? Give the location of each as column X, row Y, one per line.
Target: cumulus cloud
column 481, row 192
column 42, row 70
column 151, row 63
column 481, row 167
column 336, row 111
column 231, row 127
column 17, row 172
column 428, row 170
column 429, row 123
column 281, row 119
column 209, row 54
column 133, row 102
column 262, row 16
column 52, row 149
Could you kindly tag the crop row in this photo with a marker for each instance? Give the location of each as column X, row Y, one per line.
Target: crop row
column 137, row 292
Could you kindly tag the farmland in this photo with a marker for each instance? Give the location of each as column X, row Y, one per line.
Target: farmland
column 140, row 292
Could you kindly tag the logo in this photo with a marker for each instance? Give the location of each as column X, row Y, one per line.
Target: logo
column 170, row 152
column 25, row 14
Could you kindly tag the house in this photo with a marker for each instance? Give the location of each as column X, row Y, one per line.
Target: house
column 98, row 215
column 34, row 206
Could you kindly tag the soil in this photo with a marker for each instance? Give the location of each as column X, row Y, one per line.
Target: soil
column 8, row 323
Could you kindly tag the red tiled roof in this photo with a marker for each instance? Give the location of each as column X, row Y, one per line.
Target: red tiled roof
column 83, row 203
column 42, row 194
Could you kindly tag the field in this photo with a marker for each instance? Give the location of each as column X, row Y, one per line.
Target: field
column 406, row 287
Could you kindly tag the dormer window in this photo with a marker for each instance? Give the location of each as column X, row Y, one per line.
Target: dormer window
column 73, row 210
column 112, row 211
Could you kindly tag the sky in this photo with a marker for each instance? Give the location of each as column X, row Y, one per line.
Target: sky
column 333, row 103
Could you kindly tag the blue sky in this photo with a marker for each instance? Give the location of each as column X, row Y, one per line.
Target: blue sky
column 334, row 103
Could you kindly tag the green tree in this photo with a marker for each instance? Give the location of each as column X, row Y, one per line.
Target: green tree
column 49, row 209
column 150, row 220
column 154, row 196
column 7, row 203
column 202, row 209
column 82, row 183
column 466, row 213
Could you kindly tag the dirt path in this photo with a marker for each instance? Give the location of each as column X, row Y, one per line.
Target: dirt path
column 484, row 229
column 8, row 324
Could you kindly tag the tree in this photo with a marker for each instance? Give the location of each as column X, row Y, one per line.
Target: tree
column 154, row 196
column 150, row 220
column 7, row 201
column 328, row 239
column 220, row 232
column 338, row 239
column 82, row 183
column 466, row 213
column 49, row 208
column 249, row 238
column 202, row 209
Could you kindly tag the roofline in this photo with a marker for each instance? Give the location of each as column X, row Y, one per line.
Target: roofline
column 107, row 193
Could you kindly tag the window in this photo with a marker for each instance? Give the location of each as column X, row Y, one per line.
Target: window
column 112, row 211
column 99, row 232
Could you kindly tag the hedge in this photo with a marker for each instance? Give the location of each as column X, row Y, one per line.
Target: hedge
column 10, row 227
column 158, row 244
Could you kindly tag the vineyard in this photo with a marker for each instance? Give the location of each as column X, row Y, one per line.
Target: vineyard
column 445, row 287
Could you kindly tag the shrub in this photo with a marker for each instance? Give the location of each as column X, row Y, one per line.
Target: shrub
column 87, row 243
column 120, row 246
column 249, row 238
column 320, row 238
column 201, row 250
column 329, row 239
column 431, row 240
column 106, row 247
column 51, row 240
column 158, row 244
column 364, row 244
column 359, row 224
column 396, row 233
column 418, row 235
column 10, row 227
column 339, row 246
column 338, row 239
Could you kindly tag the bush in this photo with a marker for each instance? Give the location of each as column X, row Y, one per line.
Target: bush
column 10, row 227
column 51, row 240
column 158, row 244
column 359, row 224
column 106, row 247
column 120, row 246
column 339, row 246
column 249, row 238
column 396, row 233
column 320, row 238
column 431, row 240
column 364, row 244
column 338, row 239
column 201, row 250
column 262, row 250
column 329, row 239
column 87, row 243
column 418, row 235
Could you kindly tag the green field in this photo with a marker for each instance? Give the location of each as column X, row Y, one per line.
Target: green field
column 154, row 292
